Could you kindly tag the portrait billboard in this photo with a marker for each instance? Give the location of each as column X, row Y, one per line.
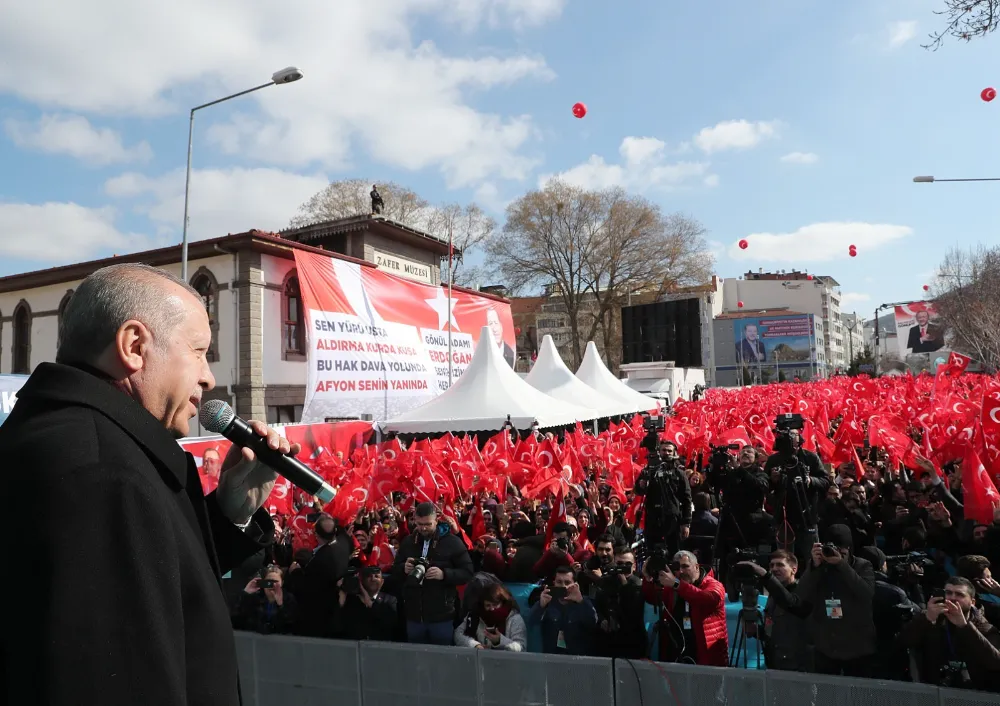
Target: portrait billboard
column 773, row 339
column 920, row 335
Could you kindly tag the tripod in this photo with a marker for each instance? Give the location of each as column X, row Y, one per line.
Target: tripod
column 750, row 624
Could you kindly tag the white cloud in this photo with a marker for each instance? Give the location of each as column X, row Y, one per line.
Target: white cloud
column 800, row 158
column 519, row 13
column 819, row 242
column 712, row 180
column 73, row 135
column 644, row 167
column 901, row 32
column 735, row 135
column 222, row 200
column 849, row 299
column 61, row 233
column 369, row 84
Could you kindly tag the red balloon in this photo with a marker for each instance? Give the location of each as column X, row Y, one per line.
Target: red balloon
column 926, row 288
column 744, row 245
column 809, row 276
column 988, row 94
column 579, row 110
column 517, row 331
column 739, row 304
column 853, row 253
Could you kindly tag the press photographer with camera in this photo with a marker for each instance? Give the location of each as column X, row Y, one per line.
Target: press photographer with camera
column 692, row 626
column 365, row 611
column 264, row 607
column 787, row 643
column 743, row 523
column 562, row 551
column 566, row 616
column 620, row 608
column 430, row 564
column 593, row 569
column 798, row 483
column 667, row 504
column 956, row 646
column 841, row 589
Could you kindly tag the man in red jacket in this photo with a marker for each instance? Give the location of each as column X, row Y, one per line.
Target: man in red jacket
column 692, row 624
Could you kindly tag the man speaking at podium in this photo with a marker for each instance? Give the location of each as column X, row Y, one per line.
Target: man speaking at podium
column 118, row 597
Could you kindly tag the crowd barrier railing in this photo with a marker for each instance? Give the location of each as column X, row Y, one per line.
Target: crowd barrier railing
column 279, row 670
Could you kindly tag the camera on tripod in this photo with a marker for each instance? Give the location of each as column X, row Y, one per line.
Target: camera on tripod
column 784, row 425
column 658, row 560
column 722, row 456
column 653, row 425
column 743, row 584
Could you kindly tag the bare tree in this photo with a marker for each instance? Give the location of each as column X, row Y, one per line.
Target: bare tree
column 594, row 249
column 350, row 197
column 967, row 298
column 966, row 20
column 470, row 228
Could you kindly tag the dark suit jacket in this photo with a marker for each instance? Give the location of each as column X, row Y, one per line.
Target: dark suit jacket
column 935, row 344
column 119, row 597
column 321, row 574
column 745, row 352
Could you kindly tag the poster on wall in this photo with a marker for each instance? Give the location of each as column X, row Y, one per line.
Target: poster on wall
column 920, row 335
column 9, row 385
column 773, row 339
column 378, row 344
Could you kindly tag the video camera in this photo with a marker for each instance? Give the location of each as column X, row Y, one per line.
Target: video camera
column 742, row 582
column 652, row 425
column 784, row 425
column 722, row 457
column 901, row 565
column 658, row 560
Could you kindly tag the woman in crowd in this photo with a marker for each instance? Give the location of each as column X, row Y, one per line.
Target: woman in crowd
column 494, row 624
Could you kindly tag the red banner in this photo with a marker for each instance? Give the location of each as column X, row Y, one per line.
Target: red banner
column 378, row 344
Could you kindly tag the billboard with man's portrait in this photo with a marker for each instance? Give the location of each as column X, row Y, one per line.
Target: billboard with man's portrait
column 773, row 339
column 920, row 335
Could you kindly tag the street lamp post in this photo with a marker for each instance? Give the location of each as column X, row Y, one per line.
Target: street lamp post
column 287, row 75
column 931, row 180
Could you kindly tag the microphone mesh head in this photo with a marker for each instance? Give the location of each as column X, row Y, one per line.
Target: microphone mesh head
column 216, row 416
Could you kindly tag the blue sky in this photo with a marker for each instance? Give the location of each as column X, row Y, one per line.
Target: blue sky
column 470, row 100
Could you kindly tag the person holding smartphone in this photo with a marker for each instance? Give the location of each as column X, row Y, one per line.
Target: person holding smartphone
column 568, row 619
column 494, row 624
column 264, row 606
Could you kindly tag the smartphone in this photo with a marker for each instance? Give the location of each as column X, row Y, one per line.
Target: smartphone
column 937, row 593
column 267, row 583
column 557, row 592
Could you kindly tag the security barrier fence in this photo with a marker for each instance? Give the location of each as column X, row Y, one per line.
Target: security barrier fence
column 277, row 670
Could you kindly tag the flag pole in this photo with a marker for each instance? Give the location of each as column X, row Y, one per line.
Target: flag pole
column 450, row 251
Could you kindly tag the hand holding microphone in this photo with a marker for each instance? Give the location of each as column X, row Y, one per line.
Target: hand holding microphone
column 252, row 466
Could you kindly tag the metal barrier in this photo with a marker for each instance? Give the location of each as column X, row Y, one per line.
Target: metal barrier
column 279, row 670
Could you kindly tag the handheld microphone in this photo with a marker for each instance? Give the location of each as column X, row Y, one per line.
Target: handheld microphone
column 219, row 417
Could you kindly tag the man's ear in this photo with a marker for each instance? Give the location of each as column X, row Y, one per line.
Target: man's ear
column 131, row 344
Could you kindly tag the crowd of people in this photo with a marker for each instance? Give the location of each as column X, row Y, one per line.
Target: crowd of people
column 872, row 566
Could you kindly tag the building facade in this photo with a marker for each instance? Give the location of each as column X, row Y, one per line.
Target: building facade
column 795, row 291
column 251, row 292
column 854, row 334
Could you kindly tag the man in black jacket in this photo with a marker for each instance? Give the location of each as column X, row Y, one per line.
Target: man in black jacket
column 798, row 482
column 127, row 605
column 322, row 576
column 430, row 601
column 786, row 634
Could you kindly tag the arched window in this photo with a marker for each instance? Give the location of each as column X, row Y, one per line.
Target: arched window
column 293, row 333
column 21, row 363
column 59, row 318
column 207, row 286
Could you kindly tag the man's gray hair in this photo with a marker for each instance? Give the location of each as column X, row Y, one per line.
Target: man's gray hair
column 685, row 554
column 107, row 299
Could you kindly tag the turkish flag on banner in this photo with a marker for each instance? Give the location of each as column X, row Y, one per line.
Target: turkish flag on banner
column 325, row 440
column 378, row 344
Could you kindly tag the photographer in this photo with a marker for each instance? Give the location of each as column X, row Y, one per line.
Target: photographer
column 667, row 506
column 798, row 483
column 840, row 588
column 592, row 571
column 560, row 552
column 264, row 607
column 892, row 608
column 958, row 648
column 743, row 524
column 430, row 565
column 620, row 609
column 366, row 613
column 566, row 616
column 692, row 625
column 787, row 644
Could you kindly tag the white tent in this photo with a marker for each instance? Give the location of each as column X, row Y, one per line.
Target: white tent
column 482, row 399
column 550, row 375
column 595, row 373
